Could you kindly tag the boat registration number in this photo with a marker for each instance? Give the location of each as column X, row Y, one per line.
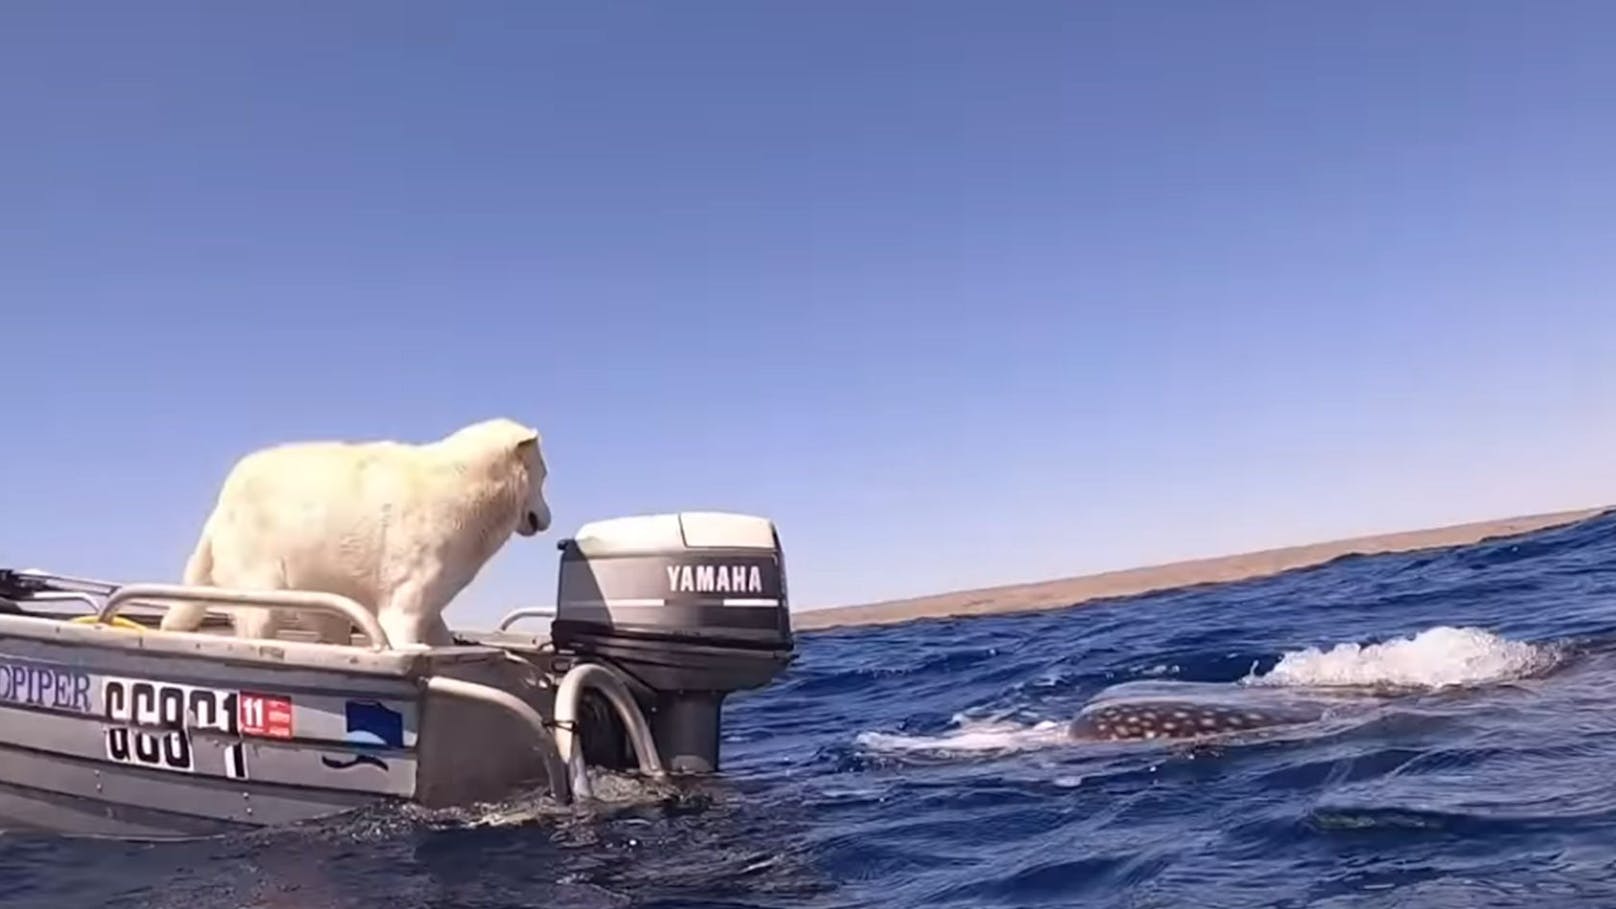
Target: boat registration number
column 150, row 723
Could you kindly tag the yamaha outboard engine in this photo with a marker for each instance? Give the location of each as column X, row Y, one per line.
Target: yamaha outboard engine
column 691, row 606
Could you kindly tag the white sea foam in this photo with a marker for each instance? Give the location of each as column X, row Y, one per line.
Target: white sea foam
column 1437, row 657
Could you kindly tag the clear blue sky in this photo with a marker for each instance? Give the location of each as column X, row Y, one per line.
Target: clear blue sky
column 958, row 293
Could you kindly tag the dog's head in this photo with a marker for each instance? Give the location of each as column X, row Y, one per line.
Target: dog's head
column 519, row 459
column 535, row 516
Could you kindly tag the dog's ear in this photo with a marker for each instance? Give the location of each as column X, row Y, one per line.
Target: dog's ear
column 526, row 440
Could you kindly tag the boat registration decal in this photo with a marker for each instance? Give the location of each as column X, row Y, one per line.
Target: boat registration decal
column 266, row 715
column 150, row 723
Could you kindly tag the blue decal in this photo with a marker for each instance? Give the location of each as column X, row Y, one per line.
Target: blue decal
column 369, row 723
column 44, row 685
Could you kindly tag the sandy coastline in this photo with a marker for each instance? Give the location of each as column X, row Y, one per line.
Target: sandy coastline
column 1064, row 592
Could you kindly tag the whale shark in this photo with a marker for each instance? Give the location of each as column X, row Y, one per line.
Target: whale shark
column 1180, row 710
column 1181, row 719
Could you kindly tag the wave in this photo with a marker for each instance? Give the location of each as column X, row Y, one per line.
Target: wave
column 1436, row 658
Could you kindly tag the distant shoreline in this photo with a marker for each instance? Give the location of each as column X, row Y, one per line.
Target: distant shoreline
column 1061, row 593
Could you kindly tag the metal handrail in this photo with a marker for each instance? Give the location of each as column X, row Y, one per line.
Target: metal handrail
column 59, row 596
column 312, row 600
column 530, row 612
column 560, row 786
column 95, row 585
column 605, row 680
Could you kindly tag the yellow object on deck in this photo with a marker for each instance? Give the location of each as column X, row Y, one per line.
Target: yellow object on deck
column 118, row 621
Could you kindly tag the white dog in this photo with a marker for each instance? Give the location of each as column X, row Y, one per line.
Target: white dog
column 400, row 528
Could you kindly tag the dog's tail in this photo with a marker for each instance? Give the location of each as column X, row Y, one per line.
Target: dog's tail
column 198, row 573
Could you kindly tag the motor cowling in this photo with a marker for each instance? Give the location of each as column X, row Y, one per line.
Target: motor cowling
column 691, row 605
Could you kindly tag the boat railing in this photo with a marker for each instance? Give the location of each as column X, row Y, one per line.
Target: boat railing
column 307, row 600
column 607, row 681
column 67, row 583
column 530, row 612
column 68, row 596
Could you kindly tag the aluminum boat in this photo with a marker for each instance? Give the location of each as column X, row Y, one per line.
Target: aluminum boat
column 114, row 727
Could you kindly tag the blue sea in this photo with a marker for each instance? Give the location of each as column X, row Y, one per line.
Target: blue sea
column 928, row 765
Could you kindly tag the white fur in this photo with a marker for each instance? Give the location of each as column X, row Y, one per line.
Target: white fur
column 401, row 528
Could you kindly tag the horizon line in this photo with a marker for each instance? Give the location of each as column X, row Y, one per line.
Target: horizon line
column 1065, row 592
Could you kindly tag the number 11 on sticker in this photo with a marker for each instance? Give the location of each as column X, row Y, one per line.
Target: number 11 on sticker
column 265, row 715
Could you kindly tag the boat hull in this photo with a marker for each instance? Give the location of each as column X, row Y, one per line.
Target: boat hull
column 130, row 733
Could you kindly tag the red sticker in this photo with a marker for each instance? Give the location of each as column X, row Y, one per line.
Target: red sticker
column 266, row 715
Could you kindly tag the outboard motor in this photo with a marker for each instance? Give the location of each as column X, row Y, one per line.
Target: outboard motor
column 691, row 606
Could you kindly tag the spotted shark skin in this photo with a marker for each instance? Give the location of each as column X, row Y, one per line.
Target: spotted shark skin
column 1182, row 719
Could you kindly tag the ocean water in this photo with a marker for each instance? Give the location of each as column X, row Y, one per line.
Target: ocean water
column 927, row 765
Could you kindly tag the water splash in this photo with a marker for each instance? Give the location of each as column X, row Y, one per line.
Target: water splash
column 1439, row 657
